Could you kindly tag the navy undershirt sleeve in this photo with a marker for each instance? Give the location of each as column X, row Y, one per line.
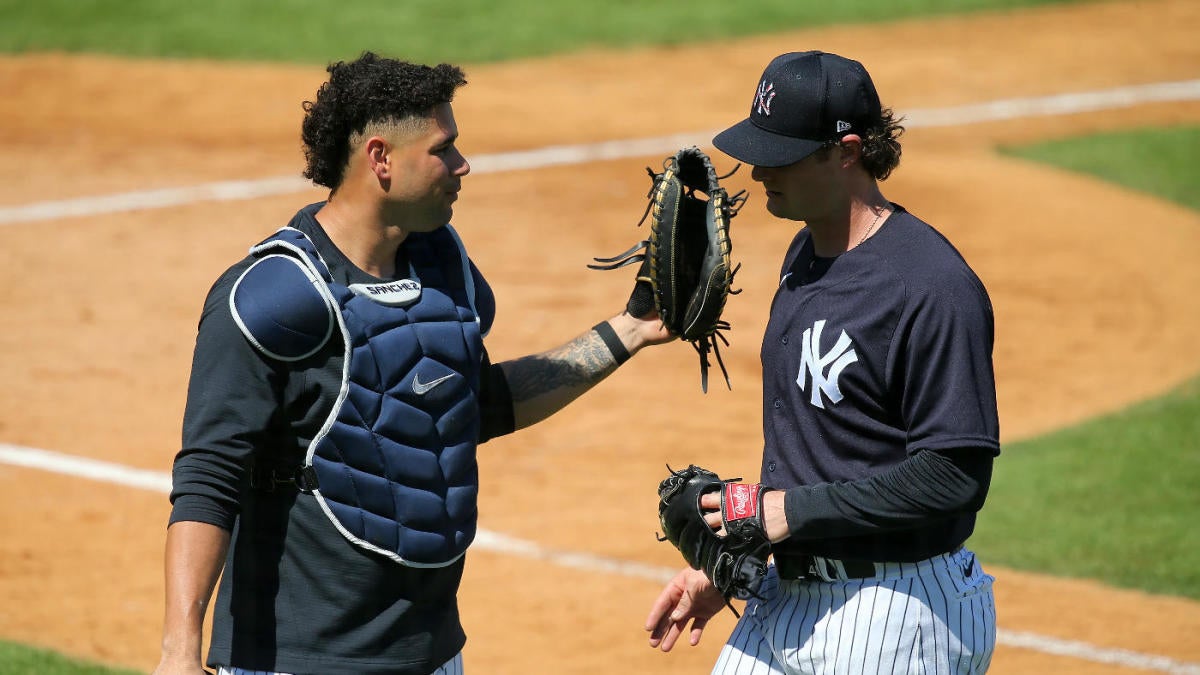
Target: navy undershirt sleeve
column 929, row 484
column 232, row 395
column 495, row 403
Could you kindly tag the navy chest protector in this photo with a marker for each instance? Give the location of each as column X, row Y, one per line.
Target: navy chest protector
column 394, row 463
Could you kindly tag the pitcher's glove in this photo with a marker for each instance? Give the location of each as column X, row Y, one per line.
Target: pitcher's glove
column 735, row 562
column 686, row 274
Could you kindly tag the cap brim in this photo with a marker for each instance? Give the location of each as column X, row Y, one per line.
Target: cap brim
column 750, row 144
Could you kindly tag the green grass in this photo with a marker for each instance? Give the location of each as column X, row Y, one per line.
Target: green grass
column 21, row 660
column 1116, row 499
column 1163, row 162
column 464, row 31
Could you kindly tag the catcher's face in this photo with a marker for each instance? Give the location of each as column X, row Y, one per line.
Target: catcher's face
column 811, row 189
column 426, row 173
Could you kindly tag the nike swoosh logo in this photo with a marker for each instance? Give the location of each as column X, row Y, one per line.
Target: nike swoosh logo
column 421, row 388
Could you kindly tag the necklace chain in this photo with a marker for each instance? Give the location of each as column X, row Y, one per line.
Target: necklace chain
column 871, row 228
column 812, row 261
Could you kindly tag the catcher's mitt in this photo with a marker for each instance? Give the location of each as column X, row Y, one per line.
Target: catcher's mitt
column 686, row 274
column 735, row 562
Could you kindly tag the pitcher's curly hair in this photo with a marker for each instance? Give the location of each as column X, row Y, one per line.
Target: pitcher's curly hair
column 368, row 90
column 881, row 145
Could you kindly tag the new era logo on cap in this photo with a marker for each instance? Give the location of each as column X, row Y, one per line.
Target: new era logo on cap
column 803, row 101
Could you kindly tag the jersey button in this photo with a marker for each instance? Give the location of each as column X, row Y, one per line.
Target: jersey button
column 783, row 339
column 770, row 466
column 778, row 404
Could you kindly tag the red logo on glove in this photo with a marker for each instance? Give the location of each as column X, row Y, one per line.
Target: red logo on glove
column 741, row 500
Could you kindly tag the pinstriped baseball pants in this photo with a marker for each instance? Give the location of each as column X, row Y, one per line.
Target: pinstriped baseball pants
column 933, row 617
column 452, row 667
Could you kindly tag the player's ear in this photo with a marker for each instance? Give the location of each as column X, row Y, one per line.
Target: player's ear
column 377, row 153
column 850, row 149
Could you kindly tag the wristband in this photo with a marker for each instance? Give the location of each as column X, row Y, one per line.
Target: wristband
column 615, row 347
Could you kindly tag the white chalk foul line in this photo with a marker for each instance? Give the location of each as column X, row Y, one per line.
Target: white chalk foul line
column 1056, row 104
column 1087, row 652
column 559, row 155
column 82, row 467
column 156, row 481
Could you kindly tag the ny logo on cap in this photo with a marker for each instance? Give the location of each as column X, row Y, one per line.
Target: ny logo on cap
column 766, row 94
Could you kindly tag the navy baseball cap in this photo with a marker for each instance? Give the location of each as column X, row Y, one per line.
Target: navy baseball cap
column 804, row 100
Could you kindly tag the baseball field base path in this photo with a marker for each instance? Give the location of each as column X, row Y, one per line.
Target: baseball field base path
column 106, row 294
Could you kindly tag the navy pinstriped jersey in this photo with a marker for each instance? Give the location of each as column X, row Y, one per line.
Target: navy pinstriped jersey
column 870, row 357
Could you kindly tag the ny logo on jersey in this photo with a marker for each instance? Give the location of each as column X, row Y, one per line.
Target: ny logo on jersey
column 825, row 369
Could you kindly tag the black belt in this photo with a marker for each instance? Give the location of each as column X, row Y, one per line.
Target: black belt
column 802, row 567
column 793, row 567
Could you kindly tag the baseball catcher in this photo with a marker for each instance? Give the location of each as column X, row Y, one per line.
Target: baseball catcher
column 685, row 273
column 736, row 561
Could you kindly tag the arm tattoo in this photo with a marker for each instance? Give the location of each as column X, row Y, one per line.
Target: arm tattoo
column 577, row 365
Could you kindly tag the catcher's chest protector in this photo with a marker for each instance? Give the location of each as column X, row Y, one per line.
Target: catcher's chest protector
column 394, row 463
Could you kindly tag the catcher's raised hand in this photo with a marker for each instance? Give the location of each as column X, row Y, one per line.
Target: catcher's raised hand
column 641, row 332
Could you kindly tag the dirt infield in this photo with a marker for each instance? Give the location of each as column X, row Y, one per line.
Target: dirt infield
column 1093, row 289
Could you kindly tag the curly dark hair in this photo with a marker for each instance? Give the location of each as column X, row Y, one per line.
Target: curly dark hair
column 881, row 145
column 368, row 90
